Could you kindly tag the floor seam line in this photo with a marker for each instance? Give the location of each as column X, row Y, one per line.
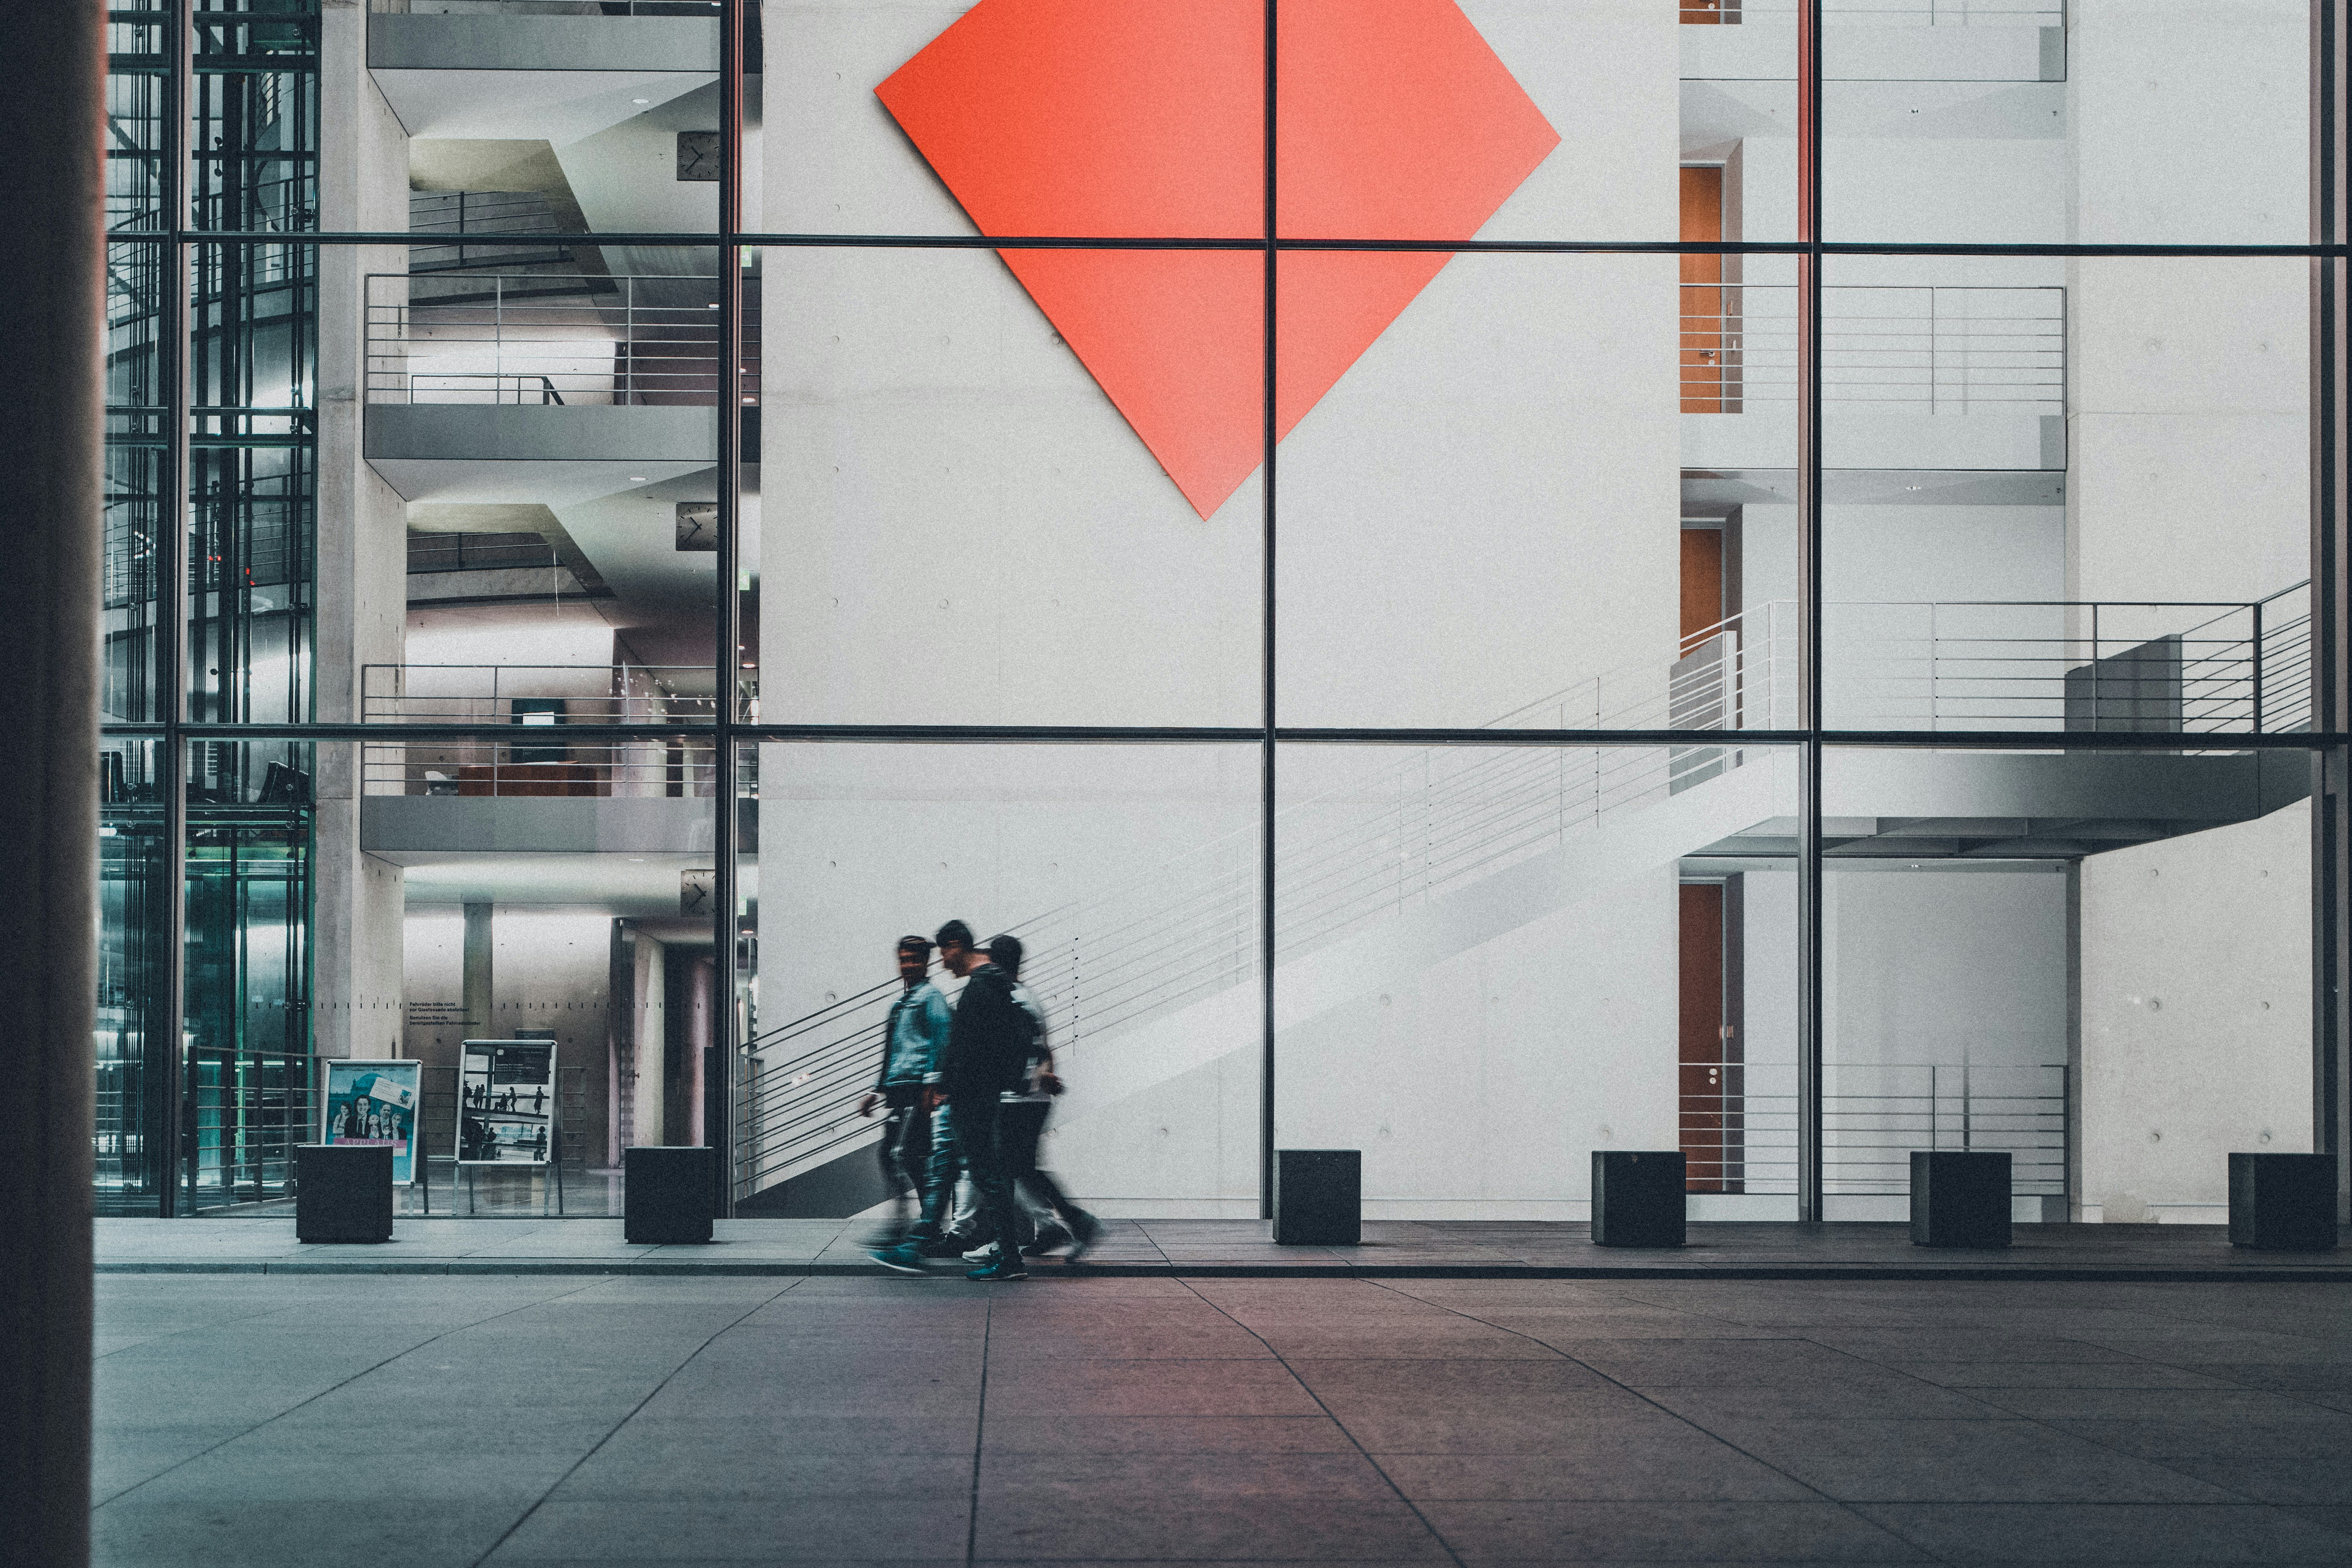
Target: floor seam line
column 345, row 1383
column 1837, row 1503
column 1361, row 1452
column 574, row 1468
column 978, row 1437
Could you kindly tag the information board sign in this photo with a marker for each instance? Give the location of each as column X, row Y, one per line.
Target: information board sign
column 375, row 1102
column 506, row 1102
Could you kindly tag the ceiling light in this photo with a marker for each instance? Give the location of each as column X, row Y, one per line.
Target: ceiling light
column 641, row 100
column 637, row 478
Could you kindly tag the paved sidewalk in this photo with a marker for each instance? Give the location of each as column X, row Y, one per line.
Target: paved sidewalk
column 1211, row 1248
column 260, row 1422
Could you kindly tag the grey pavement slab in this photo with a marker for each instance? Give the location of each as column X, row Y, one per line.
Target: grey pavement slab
column 714, row 1419
column 1465, row 1250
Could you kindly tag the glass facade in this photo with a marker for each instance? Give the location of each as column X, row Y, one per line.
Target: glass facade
column 1479, row 582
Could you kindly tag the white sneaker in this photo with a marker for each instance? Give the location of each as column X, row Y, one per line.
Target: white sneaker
column 981, row 1253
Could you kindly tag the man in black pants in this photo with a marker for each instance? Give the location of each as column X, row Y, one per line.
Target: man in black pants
column 908, row 1083
column 1022, row 1122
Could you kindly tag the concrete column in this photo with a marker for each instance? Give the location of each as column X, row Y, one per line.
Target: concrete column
column 52, row 317
column 362, row 560
column 477, row 992
column 648, row 1029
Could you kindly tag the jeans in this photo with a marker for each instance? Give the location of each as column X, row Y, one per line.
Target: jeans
column 974, row 1119
column 905, row 1146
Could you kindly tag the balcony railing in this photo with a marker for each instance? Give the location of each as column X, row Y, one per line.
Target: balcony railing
column 548, row 338
column 2187, row 667
column 706, row 10
column 1884, row 13
column 1918, row 349
column 1873, row 1117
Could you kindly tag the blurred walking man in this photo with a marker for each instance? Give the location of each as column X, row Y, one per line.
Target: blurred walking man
column 907, row 1084
column 1022, row 1122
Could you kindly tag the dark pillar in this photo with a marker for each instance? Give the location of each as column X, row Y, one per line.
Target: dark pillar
column 52, row 187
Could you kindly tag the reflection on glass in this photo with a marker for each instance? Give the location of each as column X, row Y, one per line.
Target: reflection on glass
column 136, row 415
column 1493, row 961
column 1129, row 872
column 133, row 925
column 2095, row 961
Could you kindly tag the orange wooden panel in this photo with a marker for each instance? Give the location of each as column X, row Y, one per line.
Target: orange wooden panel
column 1702, row 580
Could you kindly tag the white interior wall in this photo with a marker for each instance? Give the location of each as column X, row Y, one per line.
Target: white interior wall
column 2196, row 1027
column 1953, row 965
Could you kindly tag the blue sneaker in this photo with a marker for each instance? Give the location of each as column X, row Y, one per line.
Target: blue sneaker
column 1005, row 1266
column 900, row 1260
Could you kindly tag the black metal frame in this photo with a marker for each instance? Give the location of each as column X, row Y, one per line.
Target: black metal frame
column 2329, row 253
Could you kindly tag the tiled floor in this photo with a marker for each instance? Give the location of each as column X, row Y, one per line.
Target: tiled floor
column 419, row 1421
column 1203, row 1249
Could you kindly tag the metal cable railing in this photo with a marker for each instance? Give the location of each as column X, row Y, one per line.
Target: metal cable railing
column 1920, row 348
column 1744, row 1139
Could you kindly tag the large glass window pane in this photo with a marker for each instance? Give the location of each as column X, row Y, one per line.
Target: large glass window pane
column 548, row 437
column 1492, row 962
column 2066, row 494
column 2096, row 962
column 253, row 150
column 137, row 429
column 1519, row 488
column 1131, row 875
column 249, row 1086
column 252, row 483
column 2066, row 122
column 1016, row 489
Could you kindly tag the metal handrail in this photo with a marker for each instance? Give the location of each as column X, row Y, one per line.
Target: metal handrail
column 1945, row 349
column 453, row 336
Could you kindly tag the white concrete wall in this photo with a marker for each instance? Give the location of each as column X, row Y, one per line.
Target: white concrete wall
column 2190, row 120
column 2196, row 1027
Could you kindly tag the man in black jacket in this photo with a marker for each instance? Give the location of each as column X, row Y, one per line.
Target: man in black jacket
column 986, row 1057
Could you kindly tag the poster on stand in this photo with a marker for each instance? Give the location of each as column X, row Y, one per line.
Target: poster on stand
column 506, row 1102
column 375, row 1102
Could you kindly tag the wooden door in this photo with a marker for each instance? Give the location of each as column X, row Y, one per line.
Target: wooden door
column 1702, row 292
column 1701, row 1083
column 1702, row 606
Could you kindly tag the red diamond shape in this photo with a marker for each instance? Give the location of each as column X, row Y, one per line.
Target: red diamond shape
column 1145, row 117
